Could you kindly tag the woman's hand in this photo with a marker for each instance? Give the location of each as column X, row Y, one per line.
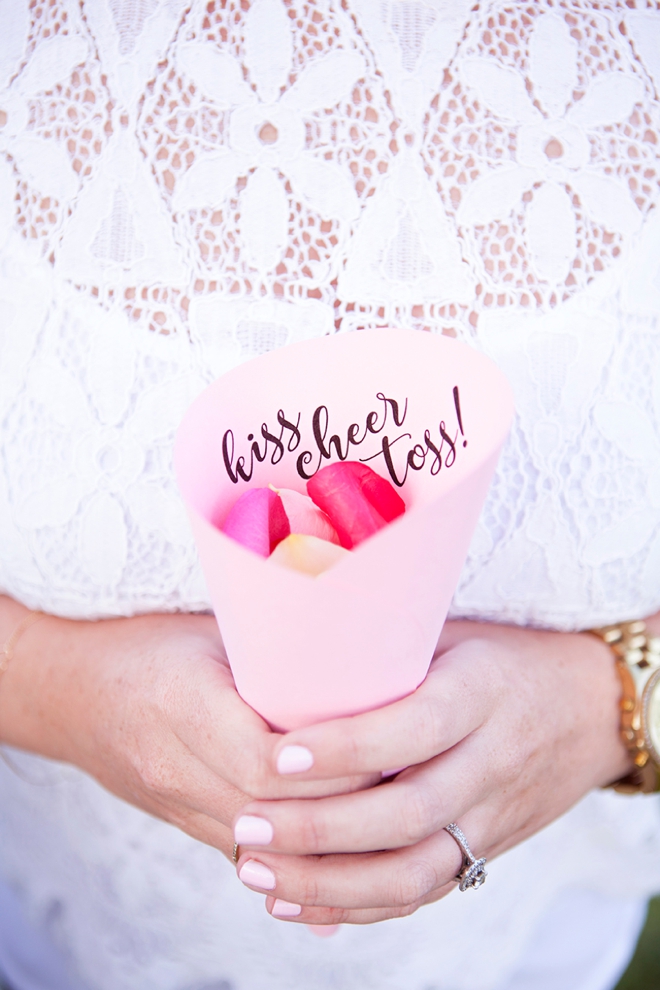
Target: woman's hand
column 510, row 728
column 148, row 707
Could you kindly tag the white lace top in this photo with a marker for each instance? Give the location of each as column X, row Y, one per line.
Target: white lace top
column 186, row 185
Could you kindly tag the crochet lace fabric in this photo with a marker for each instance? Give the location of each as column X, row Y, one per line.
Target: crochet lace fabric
column 186, row 185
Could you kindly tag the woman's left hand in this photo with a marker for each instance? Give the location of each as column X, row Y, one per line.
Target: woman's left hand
column 510, row 728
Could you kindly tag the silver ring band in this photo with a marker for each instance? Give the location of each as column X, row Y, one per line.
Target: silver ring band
column 472, row 874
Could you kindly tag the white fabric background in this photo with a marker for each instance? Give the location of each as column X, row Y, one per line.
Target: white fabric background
column 183, row 186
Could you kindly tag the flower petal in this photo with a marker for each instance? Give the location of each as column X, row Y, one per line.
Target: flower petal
column 501, row 90
column 53, row 61
column 553, row 63
column 13, row 38
column 357, row 501
column 325, row 82
column 607, row 101
column 208, row 181
column 606, row 201
column 307, row 554
column 46, row 165
column 495, row 195
column 217, row 74
column 630, row 428
column 550, row 224
column 305, row 517
column 264, row 218
column 257, row 520
column 268, row 47
column 622, row 539
column 644, row 28
column 325, row 187
column 103, row 540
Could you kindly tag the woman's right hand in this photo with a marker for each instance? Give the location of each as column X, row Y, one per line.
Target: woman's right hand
column 147, row 706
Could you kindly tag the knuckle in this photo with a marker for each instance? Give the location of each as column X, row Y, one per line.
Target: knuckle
column 254, row 777
column 418, row 815
column 155, row 774
column 307, row 890
column 312, row 835
column 430, row 720
column 418, row 880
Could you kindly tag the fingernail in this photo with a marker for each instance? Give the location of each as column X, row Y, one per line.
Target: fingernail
column 323, row 931
column 294, row 759
column 257, row 875
column 284, row 909
column 252, row 831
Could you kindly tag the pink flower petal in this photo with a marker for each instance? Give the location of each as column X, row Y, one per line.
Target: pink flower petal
column 305, row 517
column 257, row 520
column 357, row 501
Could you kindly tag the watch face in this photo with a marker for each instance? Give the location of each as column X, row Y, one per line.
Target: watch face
column 652, row 715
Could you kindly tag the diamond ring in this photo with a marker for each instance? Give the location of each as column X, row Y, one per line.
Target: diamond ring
column 472, row 873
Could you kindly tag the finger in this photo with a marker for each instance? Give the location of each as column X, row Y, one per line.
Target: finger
column 329, row 917
column 460, row 691
column 416, row 804
column 208, row 715
column 392, row 879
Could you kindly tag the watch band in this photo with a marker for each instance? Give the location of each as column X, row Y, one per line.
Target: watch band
column 637, row 656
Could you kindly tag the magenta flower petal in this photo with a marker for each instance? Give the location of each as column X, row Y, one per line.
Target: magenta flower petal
column 257, row 520
column 357, row 501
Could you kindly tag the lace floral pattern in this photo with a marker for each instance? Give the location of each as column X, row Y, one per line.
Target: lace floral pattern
column 186, row 185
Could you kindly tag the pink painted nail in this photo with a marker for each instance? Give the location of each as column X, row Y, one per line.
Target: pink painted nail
column 294, row 759
column 252, row 831
column 257, row 875
column 323, row 931
column 285, row 909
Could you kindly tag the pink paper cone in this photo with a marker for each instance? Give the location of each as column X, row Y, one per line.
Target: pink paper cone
column 305, row 649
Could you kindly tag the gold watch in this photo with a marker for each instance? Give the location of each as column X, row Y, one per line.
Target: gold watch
column 637, row 655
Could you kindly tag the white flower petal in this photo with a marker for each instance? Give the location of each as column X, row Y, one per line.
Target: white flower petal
column 159, row 410
column 111, row 365
column 208, row 181
column 53, row 505
column 7, row 199
column 640, row 291
column 52, row 62
column 46, row 166
column 629, row 428
column 550, row 225
column 325, row 82
column 644, row 29
column 502, row 91
column 103, row 540
column 64, row 400
column 158, row 507
column 623, row 539
column 650, row 575
column 608, row 100
column 325, row 187
column 607, row 202
column 268, row 47
column 13, row 38
column 495, row 195
column 553, row 59
column 264, row 218
column 217, row 74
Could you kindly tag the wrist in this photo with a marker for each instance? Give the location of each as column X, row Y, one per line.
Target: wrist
column 27, row 685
